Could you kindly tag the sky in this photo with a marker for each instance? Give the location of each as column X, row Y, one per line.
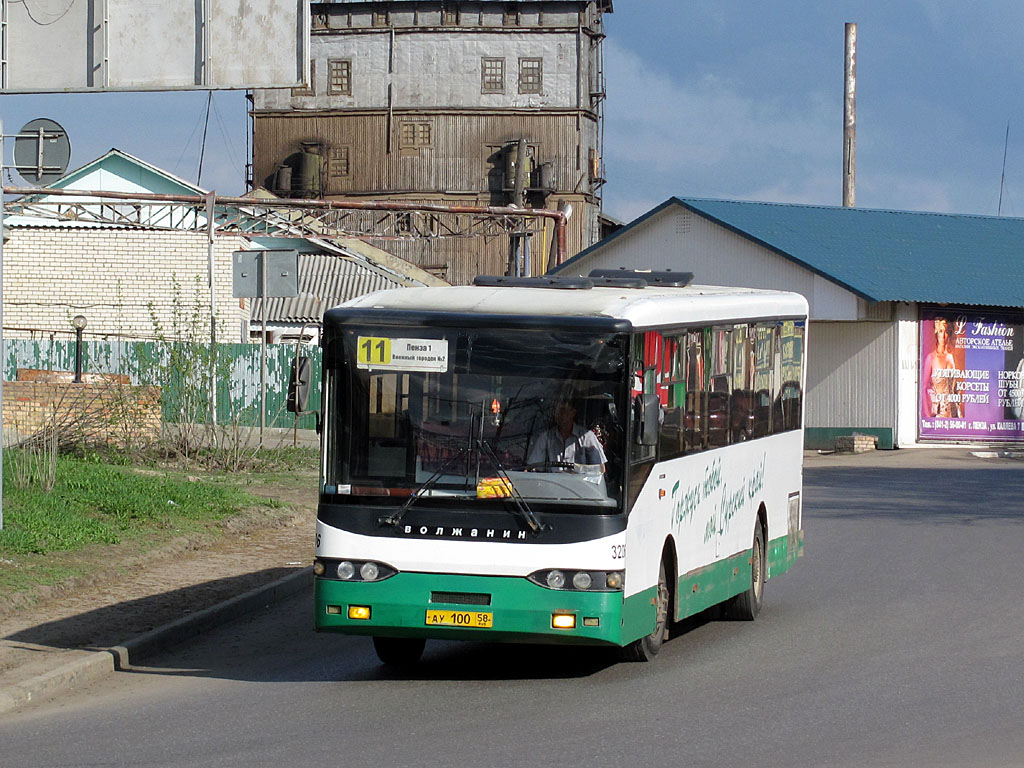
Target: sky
column 727, row 99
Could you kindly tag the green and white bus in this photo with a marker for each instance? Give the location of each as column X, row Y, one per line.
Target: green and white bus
column 443, row 515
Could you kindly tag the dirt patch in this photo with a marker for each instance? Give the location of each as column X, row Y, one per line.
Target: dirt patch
column 125, row 590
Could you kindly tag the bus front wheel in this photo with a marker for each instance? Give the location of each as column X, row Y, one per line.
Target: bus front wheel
column 647, row 647
column 399, row 651
column 746, row 605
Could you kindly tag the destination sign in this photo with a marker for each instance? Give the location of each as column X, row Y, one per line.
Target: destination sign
column 375, row 352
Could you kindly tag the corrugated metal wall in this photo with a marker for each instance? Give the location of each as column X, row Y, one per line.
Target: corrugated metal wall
column 460, row 168
column 461, row 156
column 238, row 395
column 851, row 375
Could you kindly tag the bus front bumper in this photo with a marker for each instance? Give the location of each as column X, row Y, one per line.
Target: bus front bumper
column 516, row 609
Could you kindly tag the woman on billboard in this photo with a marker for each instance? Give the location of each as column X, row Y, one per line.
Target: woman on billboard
column 938, row 375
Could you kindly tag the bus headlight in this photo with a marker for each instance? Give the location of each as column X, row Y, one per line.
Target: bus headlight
column 555, row 579
column 369, row 571
column 352, row 570
column 580, row 581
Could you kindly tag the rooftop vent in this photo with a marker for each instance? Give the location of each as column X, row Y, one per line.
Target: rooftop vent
column 562, row 283
column 665, row 278
column 633, row 283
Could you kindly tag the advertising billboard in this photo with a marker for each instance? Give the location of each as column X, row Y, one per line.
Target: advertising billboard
column 66, row 46
column 971, row 375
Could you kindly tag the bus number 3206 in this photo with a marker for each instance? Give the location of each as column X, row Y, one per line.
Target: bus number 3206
column 618, row 551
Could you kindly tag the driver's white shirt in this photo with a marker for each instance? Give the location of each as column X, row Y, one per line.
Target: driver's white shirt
column 581, row 447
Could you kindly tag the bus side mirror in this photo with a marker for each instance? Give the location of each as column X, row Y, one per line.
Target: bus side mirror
column 647, row 410
column 298, row 384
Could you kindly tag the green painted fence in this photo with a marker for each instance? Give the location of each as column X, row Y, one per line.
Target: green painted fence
column 237, row 368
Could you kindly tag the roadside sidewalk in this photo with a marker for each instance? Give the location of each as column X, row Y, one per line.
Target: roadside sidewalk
column 77, row 636
column 919, row 457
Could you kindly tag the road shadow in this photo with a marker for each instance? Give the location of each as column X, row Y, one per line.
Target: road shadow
column 277, row 646
column 113, row 624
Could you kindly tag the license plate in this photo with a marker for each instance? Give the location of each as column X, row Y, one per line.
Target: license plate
column 469, row 619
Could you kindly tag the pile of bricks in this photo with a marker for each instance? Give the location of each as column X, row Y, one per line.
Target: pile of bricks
column 103, row 409
column 856, row 443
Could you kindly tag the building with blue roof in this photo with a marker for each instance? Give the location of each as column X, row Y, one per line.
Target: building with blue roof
column 916, row 318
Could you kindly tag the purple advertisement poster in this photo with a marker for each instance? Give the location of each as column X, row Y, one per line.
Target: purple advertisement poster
column 971, row 375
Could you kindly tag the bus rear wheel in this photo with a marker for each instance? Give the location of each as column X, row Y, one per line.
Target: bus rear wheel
column 746, row 605
column 399, row 651
column 646, row 648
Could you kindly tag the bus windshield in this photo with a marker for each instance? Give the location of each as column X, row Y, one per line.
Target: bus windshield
column 475, row 416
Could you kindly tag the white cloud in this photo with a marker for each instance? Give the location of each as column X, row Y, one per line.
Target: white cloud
column 668, row 134
column 703, row 136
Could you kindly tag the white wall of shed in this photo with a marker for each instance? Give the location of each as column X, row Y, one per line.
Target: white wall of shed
column 679, row 239
column 851, row 375
column 909, row 373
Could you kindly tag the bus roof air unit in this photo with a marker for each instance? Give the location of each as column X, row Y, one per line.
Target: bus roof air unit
column 661, row 278
column 560, row 283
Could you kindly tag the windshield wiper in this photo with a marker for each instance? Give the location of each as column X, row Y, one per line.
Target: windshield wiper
column 517, row 498
column 520, row 504
column 395, row 519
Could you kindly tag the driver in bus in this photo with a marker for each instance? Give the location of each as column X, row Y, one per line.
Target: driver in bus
column 566, row 443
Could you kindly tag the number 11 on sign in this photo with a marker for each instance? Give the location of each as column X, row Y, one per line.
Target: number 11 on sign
column 374, row 351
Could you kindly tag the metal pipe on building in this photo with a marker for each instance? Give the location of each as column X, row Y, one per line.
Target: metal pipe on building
column 365, row 205
column 519, row 184
column 850, row 117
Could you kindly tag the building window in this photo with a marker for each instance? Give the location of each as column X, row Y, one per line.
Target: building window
column 338, row 162
column 311, row 89
column 339, row 80
column 381, row 18
column 531, row 75
column 510, row 18
column 492, row 75
column 414, row 135
column 449, row 16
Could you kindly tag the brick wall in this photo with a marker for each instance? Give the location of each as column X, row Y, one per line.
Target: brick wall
column 104, row 412
column 111, row 276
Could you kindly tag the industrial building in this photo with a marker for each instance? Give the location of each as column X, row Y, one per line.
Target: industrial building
column 462, row 104
column 916, row 319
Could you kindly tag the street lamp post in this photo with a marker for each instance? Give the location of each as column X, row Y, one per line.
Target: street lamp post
column 79, row 322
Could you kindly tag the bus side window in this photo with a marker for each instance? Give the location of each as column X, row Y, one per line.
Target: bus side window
column 792, row 362
column 720, row 396
column 648, row 349
column 697, row 367
column 788, row 407
column 764, row 381
column 672, row 432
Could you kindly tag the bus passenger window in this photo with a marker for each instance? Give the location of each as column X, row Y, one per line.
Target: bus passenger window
column 788, row 407
column 696, row 418
column 741, row 425
column 719, row 410
column 672, row 432
column 764, row 362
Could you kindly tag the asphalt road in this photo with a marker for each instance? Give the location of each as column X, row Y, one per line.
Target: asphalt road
column 897, row 640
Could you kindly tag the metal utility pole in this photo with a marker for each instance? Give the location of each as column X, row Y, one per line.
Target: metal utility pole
column 850, row 118
column 211, row 267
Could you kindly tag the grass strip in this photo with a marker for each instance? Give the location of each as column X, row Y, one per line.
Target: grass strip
column 94, row 503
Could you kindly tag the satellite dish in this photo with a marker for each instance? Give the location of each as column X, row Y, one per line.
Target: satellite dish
column 42, row 151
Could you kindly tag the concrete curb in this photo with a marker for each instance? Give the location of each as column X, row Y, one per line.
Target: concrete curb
column 94, row 665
